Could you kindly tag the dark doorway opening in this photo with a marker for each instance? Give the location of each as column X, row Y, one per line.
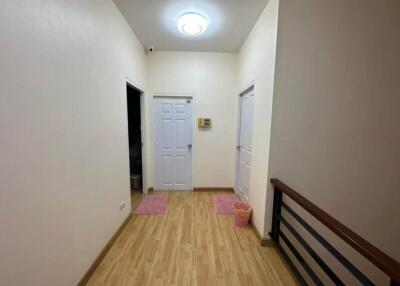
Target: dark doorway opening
column 135, row 138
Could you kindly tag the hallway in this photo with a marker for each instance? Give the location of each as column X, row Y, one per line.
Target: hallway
column 189, row 245
column 291, row 105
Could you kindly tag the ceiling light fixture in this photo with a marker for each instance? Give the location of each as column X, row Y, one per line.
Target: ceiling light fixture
column 192, row 24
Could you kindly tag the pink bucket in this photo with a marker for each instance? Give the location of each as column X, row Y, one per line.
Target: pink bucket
column 242, row 212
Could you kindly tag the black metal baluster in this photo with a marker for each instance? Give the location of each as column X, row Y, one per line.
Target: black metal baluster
column 296, row 272
column 301, row 260
column 277, row 208
column 312, row 253
column 343, row 260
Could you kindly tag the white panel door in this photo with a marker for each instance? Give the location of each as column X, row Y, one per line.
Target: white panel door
column 173, row 143
column 245, row 144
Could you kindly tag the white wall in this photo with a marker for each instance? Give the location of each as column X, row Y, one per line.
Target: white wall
column 64, row 166
column 256, row 65
column 211, row 79
column 335, row 128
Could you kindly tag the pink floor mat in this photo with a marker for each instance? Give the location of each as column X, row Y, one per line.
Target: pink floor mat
column 223, row 204
column 152, row 205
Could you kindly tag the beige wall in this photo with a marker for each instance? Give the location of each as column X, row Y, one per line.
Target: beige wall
column 64, row 148
column 211, row 79
column 335, row 127
column 64, row 164
column 256, row 66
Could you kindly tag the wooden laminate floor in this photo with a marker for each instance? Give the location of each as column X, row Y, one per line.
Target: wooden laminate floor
column 189, row 245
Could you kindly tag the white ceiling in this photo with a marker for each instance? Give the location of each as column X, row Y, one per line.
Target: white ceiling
column 154, row 22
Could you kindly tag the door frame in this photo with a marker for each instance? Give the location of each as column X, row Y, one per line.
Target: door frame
column 142, row 130
column 250, row 87
column 154, row 131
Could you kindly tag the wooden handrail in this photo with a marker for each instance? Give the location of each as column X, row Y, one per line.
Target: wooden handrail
column 381, row 260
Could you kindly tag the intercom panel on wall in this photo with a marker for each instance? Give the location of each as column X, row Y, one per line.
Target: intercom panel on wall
column 204, row 123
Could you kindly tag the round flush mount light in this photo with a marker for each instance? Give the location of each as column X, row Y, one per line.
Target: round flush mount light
column 192, row 24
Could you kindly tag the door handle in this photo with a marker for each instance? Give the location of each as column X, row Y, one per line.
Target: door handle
column 238, row 147
column 190, row 146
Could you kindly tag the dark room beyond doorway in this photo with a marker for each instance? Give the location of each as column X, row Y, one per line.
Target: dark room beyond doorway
column 135, row 138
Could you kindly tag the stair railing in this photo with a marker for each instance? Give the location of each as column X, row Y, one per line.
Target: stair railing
column 381, row 260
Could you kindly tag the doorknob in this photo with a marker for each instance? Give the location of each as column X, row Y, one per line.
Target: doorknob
column 190, row 146
column 238, row 147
